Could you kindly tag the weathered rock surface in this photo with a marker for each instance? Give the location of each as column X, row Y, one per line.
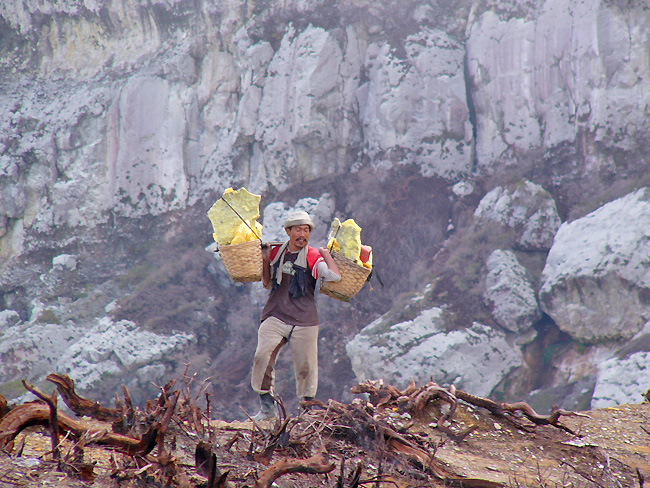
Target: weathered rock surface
column 596, row 282
column 622, row 380
column 509, row 293
column 528, row 211
column 9, row 318
column 554, row 72
column 413, row 110
column 622, row 374
column 119, row 349
column 190, row 117
column 30, row 351
column 475, row 359
column 95, row 355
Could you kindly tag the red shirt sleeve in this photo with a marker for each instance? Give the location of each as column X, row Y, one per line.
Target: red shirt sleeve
column 313, row 258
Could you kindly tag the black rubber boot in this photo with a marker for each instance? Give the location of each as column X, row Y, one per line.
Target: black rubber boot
column 267, row 408
column 302, row 408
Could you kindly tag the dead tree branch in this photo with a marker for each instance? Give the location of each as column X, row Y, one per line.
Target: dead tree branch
column 317, row 464
column 508, row 410
column 53, row 418
column 170, row 408
column 79, row 405
column 30, row 414
column 3, row 405
column 414, row 400
column 365, row 427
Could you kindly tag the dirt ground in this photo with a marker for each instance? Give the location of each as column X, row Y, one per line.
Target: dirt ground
column 610, row 448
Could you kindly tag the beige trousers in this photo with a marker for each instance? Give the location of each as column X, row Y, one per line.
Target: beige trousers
column 272, row 336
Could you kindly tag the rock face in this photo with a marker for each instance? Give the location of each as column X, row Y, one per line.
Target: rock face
column 414, row 109
column 509, row 294
column 475, row 359
column 556, row 72
column 597, row 276
column 191, row 117
column 119, row 349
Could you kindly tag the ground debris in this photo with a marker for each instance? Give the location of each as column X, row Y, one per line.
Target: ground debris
column 416, row 437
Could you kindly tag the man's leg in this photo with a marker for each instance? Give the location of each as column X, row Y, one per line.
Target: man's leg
column 304, row 350
column 271, row 338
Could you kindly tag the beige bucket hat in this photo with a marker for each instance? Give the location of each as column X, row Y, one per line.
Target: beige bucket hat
column 299, row 217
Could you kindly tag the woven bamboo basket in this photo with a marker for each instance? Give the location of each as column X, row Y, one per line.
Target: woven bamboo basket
column 243, row 261
column 353, row 277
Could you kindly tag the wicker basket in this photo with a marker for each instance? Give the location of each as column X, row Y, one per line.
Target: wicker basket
column 353, row 277
column 243, row 261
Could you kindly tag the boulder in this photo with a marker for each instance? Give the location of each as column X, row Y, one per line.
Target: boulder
column 622, row 381
column 475, row 359
column 509, row 294
column 90, row 356
column 65, row 262
column 596, row 281
column 118, row 349
column 528, row 210
column 622, row 372
column 8, row 318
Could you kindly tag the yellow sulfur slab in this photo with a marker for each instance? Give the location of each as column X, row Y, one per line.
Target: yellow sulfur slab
column 348, row 238
column 225, row 221
column 244, row 234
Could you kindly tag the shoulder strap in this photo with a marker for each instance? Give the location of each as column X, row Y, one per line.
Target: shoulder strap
column 274, row 251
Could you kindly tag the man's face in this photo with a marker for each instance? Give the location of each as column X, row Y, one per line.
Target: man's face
column 298, row 236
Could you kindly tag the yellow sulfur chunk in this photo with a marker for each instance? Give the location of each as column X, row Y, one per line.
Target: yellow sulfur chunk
column 225, row 221
column 244, row 234
column 348, row 237
column 333, row 246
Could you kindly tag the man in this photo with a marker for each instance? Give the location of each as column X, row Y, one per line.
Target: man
column 291, row 272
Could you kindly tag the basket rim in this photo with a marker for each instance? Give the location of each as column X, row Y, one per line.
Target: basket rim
column 350, row 262
column 243, row 261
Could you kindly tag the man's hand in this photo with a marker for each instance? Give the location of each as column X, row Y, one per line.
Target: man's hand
column 324, row 251
column 266, row 264
column 266, row 253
